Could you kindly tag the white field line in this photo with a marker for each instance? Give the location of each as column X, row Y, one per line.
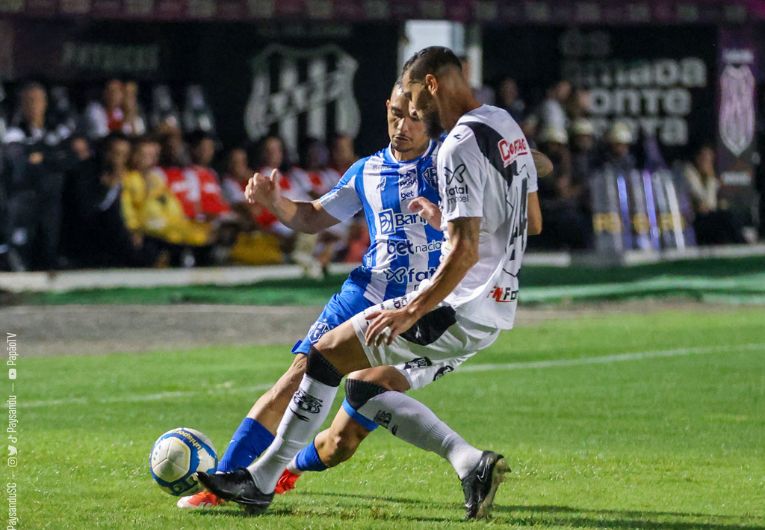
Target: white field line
column 615, row 358
column 552, row 363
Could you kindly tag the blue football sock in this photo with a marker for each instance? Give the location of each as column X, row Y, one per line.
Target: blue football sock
column 308, row 459
column 249, row 440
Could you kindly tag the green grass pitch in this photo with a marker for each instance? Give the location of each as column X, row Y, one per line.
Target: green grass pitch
column 671, row 437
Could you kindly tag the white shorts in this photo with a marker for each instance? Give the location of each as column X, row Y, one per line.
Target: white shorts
column 437, row 344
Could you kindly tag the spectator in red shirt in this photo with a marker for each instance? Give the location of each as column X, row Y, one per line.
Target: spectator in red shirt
column 106, row 116
column 211, row 202
column 238, row 173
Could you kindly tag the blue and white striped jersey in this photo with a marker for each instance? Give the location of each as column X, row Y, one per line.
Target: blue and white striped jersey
column 404, row 250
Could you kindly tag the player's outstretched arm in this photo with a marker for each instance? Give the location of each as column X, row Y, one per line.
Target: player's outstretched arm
column 308, row 217
column 543, row 164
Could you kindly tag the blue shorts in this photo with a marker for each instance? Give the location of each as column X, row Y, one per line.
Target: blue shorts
column 341, row 307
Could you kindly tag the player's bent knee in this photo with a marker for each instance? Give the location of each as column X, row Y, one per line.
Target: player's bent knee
column 387, row 377
column 320, row 369
column 297, row 370
column 358, row 392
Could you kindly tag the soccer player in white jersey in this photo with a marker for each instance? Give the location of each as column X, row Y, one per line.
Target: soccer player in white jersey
column 487, row 182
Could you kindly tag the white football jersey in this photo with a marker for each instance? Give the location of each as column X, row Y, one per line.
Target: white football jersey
column 485, row 169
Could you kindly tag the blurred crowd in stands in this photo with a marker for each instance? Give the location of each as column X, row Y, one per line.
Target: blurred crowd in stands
column 116, row 185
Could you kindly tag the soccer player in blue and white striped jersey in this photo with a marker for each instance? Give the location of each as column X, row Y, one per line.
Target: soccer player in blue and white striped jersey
column 405, row 250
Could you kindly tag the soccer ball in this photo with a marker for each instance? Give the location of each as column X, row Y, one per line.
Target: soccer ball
column 176, row 457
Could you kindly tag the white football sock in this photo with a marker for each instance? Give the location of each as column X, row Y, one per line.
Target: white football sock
column 305, row 413
column 410, row 420
column 293, row 468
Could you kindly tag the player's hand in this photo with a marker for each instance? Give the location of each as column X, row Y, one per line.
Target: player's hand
column 384, row 326
column 263, row 190
column 427, row 210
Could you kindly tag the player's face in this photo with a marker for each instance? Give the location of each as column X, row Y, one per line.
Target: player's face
column 405, row 129
column 425, row 104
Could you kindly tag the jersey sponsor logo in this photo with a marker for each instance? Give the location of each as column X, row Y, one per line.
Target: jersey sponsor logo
column 454, row 192
column 402, row 275
column 391, row 221
column 457, row 191
column 457, row 174
column 404, row 248
column 509, row 151
column 451, row 202
column 504, row 294
column 317, row 330
column 408, row 178
column 405, row 195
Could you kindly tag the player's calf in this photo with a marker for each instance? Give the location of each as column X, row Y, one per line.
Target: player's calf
column 269, row 408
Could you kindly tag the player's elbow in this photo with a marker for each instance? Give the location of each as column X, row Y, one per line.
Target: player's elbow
column 535, row 226
column 534, row 216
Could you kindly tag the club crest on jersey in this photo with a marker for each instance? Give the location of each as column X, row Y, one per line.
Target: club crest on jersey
column 510, row 151
column 431, row 177
column 391, row 221
column 313, row 82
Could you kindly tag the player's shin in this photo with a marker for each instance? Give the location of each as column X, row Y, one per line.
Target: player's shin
column 309, row 408
column 248, row 442
column 307, row 459
column 410, row 420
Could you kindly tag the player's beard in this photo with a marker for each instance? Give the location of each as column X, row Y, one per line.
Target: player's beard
column 430, row 117
column 433, row 125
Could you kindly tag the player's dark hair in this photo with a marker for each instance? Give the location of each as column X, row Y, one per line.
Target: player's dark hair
column 430, row 60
